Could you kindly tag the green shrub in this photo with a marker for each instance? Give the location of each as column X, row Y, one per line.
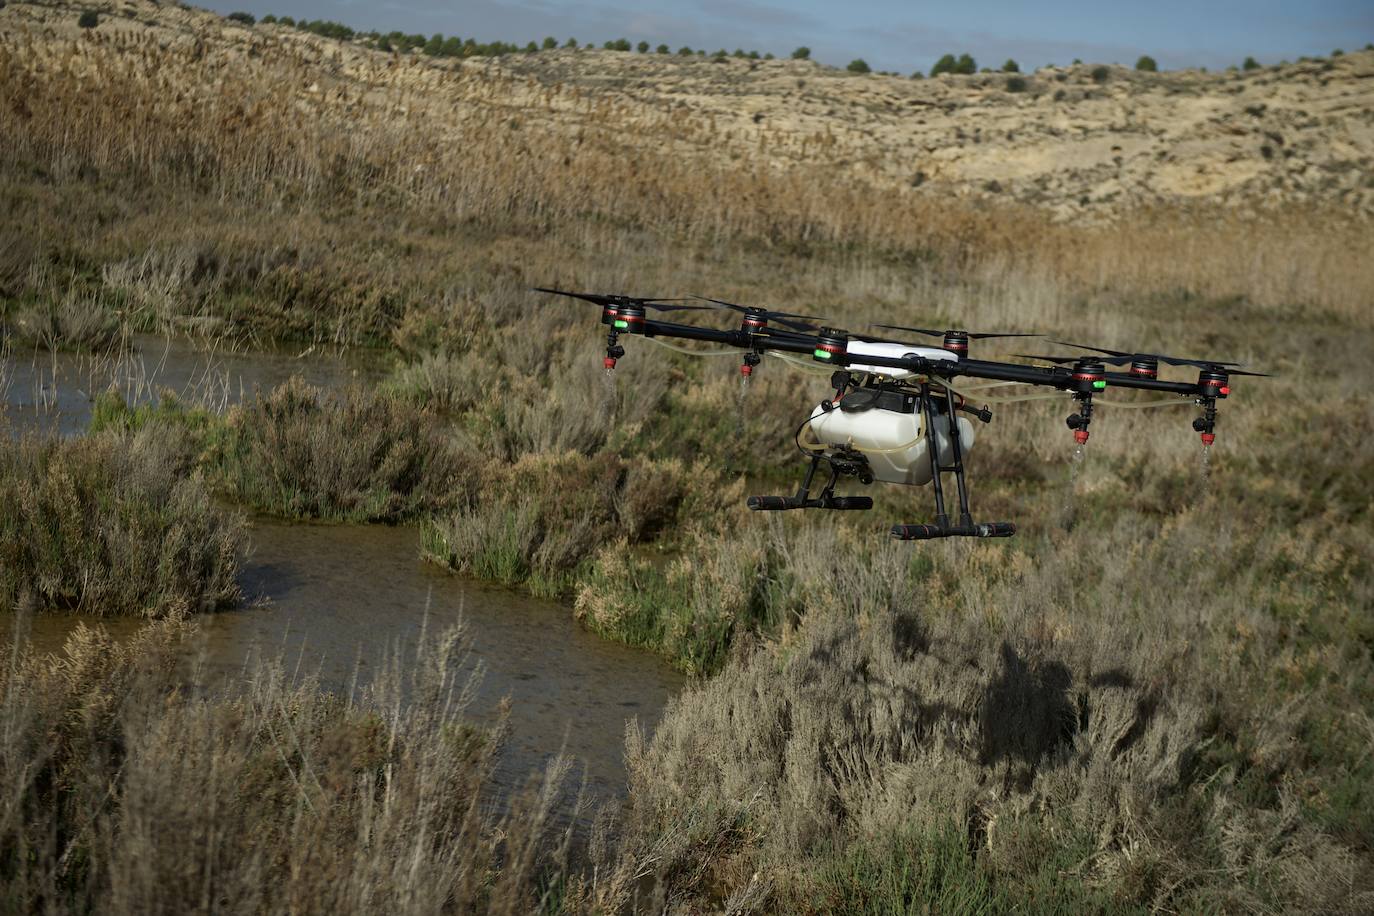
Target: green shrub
column 1146, row 64
column 619, row 44
column 661, row 49
column 1250, row 64
column 269, row 19
column 945, row 64
column 917, row 75
column 802, row 53
column 966, row 65
column 113, row 524
column 1011, row 66
column 1101, row 73
column 1016, row 84
column 550, row 43
column 685, row 51
column 287, row 21
column 88, row 20
column 858, row 65
column 354, row 455
column 642, row 47
column 245, row 18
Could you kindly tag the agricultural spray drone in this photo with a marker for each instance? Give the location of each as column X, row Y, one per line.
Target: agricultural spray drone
column 897, row 415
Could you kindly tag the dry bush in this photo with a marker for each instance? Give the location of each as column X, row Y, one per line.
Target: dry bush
column 301, row 453
column 113, row 524
column 1070, row 699
column 537, row 521
column 129, row 794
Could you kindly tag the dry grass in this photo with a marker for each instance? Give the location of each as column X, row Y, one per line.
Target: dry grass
column 1036, row 707
column 1151, row 698
column 128, row 794
column 115, row 524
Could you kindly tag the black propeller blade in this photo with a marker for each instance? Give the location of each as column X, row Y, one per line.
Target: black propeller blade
column 1120, row 357
column 661, row 305
column 971, row 335
column 786, row 319
column 1062, row 360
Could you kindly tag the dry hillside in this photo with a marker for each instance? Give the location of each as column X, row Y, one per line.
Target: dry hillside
column 1294, row 134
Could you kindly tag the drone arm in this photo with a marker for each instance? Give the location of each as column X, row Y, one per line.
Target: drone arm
column 1124, row 380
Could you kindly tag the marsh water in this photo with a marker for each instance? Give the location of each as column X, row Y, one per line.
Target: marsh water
column 335, row 600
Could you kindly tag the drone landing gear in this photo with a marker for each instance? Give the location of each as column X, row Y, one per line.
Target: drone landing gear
column 845, row 462
column 967, row 527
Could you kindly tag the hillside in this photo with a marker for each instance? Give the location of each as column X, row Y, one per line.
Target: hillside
column 1065, row 142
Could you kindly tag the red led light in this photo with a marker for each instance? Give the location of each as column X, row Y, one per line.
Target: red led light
column 1225, row 390
column 1080, row 436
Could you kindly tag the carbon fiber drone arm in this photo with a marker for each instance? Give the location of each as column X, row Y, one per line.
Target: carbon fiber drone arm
column 792, row 342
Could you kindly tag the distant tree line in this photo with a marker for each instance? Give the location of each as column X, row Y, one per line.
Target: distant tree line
column 438, row 45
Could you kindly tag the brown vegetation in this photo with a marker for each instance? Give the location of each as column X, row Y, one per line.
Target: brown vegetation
column 1153, row 697
column 128, row 794
column 113, row 524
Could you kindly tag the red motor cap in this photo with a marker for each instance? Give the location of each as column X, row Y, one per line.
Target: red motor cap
column 1208, row 438
column 610, row 362
column 1080, row 436
column 746, row 370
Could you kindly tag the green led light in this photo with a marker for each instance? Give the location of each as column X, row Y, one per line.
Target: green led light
column 822, row 354
column 621, row 323
column 1100, row 385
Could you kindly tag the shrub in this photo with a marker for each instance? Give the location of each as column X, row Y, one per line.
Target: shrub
column 356, row 455
column 619, row 44
column 945, row 64
column 685, row 51
column 113, row 524
column 1101, row 73
column 802, row 53
column 125, row 790
column 287, row 21
column 1016, row 84
column 550, row 43
column 1338, row 53
column 642, row 47
column 570, row 43
column 858, row 65
column 269, row 19
column 966, row 65
column 661, row 49
column 245, row 18
column 917, row 75
column 1250, row 64
column 88, row 19
column 1146, row 64
column 1011, row 66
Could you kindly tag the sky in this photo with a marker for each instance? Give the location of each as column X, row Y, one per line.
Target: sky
column 888, row 34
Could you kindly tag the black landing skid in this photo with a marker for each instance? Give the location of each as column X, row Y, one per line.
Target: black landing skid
column 844, row 462
column 967, row 527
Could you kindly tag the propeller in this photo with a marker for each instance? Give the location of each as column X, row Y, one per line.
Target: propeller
column 606, row 301
column 1062, row 360
column 971, row 335
column 786, row 319
column 1124, row 357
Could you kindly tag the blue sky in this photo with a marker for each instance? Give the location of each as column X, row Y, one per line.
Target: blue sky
column 891, row 35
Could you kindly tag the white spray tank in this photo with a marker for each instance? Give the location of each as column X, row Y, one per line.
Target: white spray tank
column 890, row 428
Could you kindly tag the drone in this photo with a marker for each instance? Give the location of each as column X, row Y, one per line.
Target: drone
column 897, row 414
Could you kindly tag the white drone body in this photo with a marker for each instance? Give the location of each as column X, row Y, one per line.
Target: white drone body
column 891, row 436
